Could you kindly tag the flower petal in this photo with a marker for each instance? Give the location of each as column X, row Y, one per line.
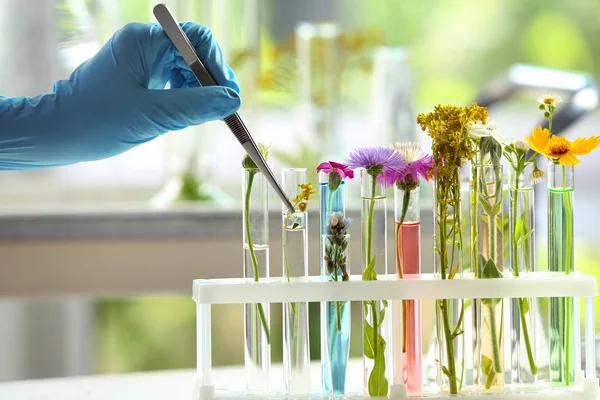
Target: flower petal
column 337, row 165
column 325, row 167
column 582, row 146
column 501, row 138
column 568, row 159
column 477, row 130
column 539, row 140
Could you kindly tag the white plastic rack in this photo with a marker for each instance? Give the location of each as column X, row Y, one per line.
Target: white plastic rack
column 314, row 289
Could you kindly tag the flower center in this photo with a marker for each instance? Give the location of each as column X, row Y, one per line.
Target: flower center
column 549, row 100
column 560, row 146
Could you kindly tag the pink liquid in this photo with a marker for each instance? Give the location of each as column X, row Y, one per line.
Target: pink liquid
column 408, row 246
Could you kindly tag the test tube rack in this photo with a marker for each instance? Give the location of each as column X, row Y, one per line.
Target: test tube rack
column 207, row 292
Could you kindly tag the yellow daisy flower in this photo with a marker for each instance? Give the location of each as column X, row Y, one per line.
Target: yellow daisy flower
column 560, row 148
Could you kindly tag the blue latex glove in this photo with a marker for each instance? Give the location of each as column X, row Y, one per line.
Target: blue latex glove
column 116, row 100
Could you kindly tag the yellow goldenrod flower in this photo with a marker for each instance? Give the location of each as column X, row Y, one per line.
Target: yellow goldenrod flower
column 301, row 199
column 307, row 190
column 560, row 148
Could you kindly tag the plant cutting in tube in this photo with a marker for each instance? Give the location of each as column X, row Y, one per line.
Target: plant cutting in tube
column 252, row 169
column 452, row 147
column 380, row 167
column 562, row 154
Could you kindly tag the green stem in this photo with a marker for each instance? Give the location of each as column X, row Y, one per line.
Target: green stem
column 449, row 347
column 568, row 270
column 526, row 337
column 339, row 315
column 495, row 338
column 515, row 211
column 515, row 246
column 287, row 268
column 370, row 221
column 329, row 201
column 259, row 306
column 490, row 379
column 405, row 203
column 398, row 258
column 336, row 254
column 368, row 260
column 474, row 194
column 568, row 342
column 493, row 243
column 449, row 339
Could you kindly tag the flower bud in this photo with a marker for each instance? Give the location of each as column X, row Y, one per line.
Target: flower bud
column 248, row 163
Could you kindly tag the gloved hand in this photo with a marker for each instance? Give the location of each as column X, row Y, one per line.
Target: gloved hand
column 116, row 100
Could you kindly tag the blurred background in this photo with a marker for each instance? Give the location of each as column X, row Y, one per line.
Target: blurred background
column 98, row 258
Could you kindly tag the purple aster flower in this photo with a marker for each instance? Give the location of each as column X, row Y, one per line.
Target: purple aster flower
column 418, row 164
column 382, row 162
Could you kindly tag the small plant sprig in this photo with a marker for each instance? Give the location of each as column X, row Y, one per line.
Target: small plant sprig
column 253, row 170
column 561, row 151
column 336, row 231
column 518, row 155
column 418, row 165
column 452, row 147
column 296, row 221
column 337, row 173
column 383, row 165
column 292, row 221
column 489, row 142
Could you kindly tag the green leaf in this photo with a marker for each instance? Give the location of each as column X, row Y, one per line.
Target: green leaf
column 519, row 229
column 487, row 365
column 501, row 223
column 467, row 303
column 378, row 383
column 381, row 316
column 480, row 264
column 496, row 209
column 524, row 306
column 524, row 238
column 490, row 302
column 446, row 372
column 369, row 273
column 368, row 341
column 490, row 271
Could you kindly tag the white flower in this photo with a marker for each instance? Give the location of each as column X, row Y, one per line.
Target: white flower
column 537, row 176
column 479, row 130
column 410, row 151
column 549, row 99
column 521, row 145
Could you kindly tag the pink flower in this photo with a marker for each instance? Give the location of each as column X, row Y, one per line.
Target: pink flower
column 342, row 170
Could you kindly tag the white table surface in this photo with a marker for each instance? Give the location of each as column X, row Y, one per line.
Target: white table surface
column 167, row 385
column 179, row 385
